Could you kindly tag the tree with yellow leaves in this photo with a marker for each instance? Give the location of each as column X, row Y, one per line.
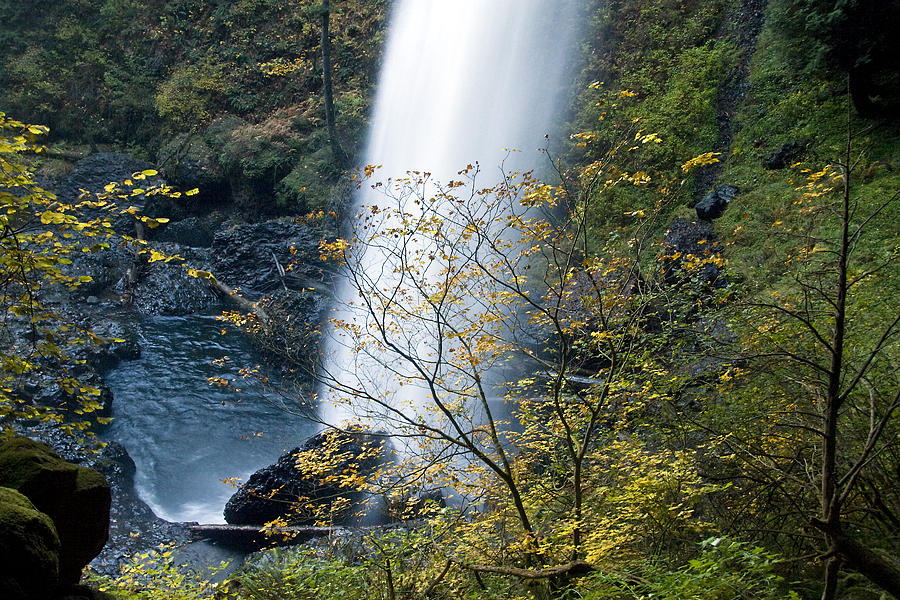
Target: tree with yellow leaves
column 39, row 236
column 453, row 284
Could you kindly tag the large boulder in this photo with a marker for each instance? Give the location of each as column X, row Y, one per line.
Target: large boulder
column 785, row 155
column 306, row 483
column 714, row 203
column 166, row 288
column 192, row 231
column 75, row 498
column 29, row 549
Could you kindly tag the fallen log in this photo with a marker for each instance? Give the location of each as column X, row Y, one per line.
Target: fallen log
column 226, row 293
column 252, row 537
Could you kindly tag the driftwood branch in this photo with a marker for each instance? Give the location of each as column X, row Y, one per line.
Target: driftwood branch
column 231, row 295
column 576, row 568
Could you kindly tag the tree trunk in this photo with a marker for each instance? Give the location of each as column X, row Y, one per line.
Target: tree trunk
column 877, row 568
column 336, row 150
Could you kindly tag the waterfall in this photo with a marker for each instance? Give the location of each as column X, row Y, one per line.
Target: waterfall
column 462, row 82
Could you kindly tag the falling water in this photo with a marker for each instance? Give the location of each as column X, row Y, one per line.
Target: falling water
column 463, row 81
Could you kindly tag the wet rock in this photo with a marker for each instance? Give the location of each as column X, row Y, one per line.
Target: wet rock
column 714, row 203
column 29, row 549
column 96, row 171
column 75, row 498
column 691, row 241
column 194, row 231
column 245, row 256
column 104, row 267
column 120, row 342
column 48, row 387
column 166, row 288
column 293, row 491
column 784, row 156
column 115, row 338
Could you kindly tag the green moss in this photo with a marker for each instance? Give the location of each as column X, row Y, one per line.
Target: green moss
column 28, row 466
column 684, row 115
column 29, row 546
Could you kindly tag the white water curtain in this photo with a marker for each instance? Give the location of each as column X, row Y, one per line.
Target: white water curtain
column 463, row 81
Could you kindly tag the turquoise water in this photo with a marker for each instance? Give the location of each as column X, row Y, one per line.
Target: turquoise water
column 186, row 435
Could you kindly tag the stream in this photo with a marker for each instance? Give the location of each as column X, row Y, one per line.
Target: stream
column 186, row 435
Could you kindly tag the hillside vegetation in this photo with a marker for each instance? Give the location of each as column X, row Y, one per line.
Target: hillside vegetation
column 232, row 89
column 713, row 412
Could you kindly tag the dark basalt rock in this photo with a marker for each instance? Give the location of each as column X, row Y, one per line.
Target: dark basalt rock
column 684, row 239
column 94, row 172
column 75, row 498
column 121, row 343
column 167, row 288
column 193, row 231
column 43, row 388
column 273, row 492
column 784, row 156
column 29, row 549
column 116, row 339
column 715, row 202
column 244, row 256
column 104, row 267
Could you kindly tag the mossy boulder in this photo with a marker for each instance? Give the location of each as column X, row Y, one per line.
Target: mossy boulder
column 75, row 498
column 29, row 549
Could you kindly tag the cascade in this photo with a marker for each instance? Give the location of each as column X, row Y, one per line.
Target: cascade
column 462, row 82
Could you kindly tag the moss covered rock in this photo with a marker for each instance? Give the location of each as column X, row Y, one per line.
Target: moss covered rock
column 29, row 549
column 75, row 498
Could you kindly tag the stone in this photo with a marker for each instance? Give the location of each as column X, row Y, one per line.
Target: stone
column 193, row 231
column 244, row 256
column 686, row 238
column 94, row 172
column 75, row 498
column 715, row 202
column 29, row 549
column 273, row 491
column 784, row 156
column 166, row 288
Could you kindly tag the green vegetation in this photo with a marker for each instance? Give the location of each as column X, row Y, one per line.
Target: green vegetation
column 171, row 75
column 714, row 422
